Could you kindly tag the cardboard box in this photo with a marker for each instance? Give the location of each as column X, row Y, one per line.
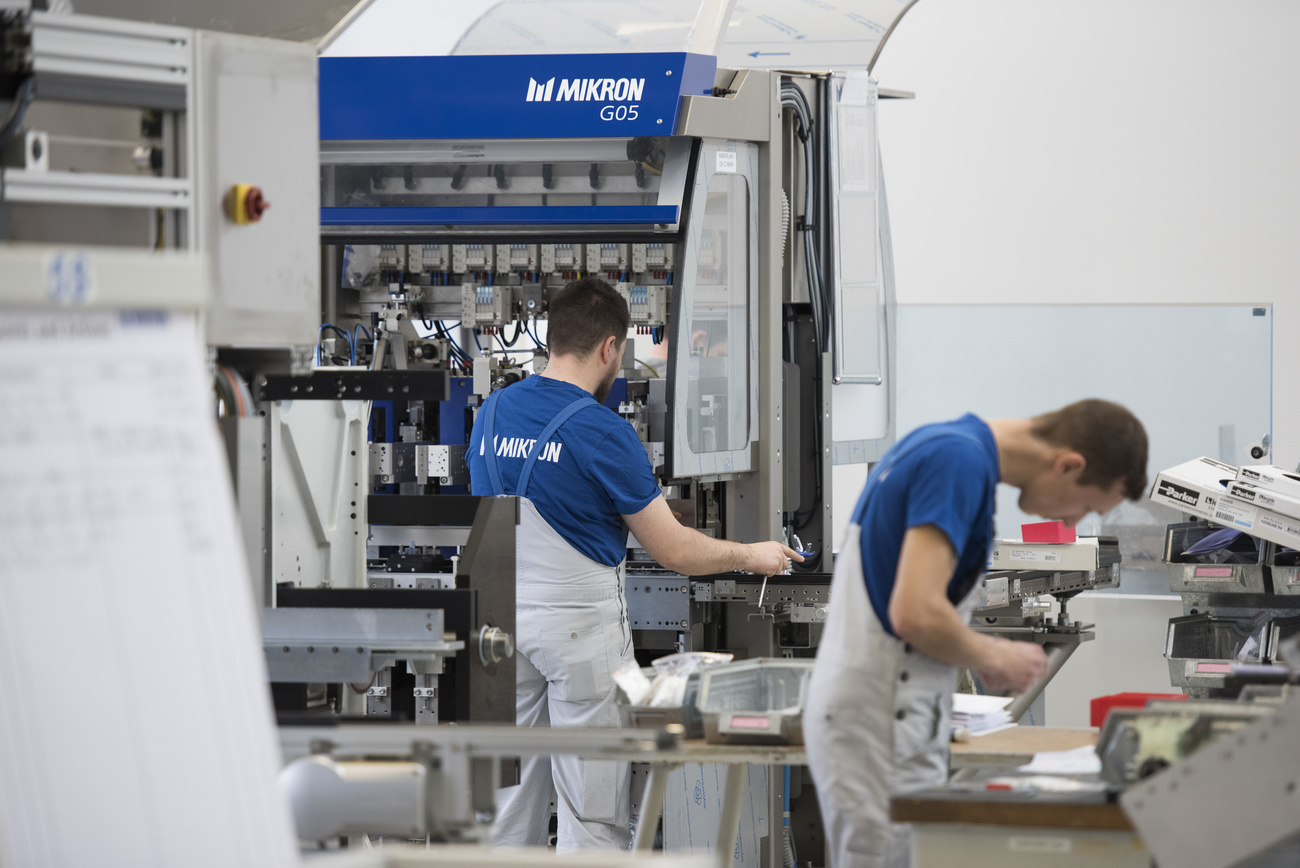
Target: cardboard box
column 1014, row 554
column 1200, row 488
column 1194, row 487
column 1047, row 532
column 1264, row 497
column 1273, row 478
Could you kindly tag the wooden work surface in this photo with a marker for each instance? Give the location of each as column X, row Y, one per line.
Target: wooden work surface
column 1044, row 810
column 1010, row 747
column 1017, row 745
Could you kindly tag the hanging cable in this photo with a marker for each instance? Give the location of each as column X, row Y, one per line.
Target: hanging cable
column 792, row 97
column 519, row 330
column 18, row 110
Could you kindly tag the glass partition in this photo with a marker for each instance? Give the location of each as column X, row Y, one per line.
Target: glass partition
column 1199, row 378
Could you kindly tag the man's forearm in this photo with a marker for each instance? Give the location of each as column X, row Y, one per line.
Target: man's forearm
column 695, row 554
column 687, row 551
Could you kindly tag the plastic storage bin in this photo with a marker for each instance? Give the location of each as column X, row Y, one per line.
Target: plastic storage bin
column 755, row 701
column 654, row 717
column 1211, row 574
column 1201, row 650
column 1285, row 567
column 1102, row 705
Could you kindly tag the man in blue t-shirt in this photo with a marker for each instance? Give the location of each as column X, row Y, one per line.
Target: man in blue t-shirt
column 897, row 627
column 584, row 479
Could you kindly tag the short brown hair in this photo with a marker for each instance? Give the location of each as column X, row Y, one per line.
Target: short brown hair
column 1109, row 437
column 583, row 314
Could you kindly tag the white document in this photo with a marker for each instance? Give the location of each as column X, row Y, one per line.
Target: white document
column 136, row 726
column 1080, row 761
column 978, row 703
column 980, row 714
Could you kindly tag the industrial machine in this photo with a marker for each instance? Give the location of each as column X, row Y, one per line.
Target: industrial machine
column 451, row 214
column 1013, row 596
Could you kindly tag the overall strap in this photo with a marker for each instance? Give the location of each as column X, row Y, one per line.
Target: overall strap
column 489, row 444
column 540, row 444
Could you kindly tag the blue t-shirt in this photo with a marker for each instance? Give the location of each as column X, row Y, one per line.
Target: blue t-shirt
column 943, row 474
column 593, row 471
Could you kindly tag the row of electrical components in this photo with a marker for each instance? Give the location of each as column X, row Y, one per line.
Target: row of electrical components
column 496, row 305
column 511, row 258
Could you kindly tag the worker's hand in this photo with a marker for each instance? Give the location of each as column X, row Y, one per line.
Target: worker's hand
column 1017, row 666
column 769, row 558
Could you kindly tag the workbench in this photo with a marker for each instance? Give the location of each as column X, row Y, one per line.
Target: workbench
column 1016, row 746
column 965, row 824
column 978, row 829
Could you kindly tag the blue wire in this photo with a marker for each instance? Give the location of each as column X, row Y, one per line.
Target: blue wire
column 474, row 332
column 356, row 340
column 352, row 350
column 460, row 354
column 533, row 334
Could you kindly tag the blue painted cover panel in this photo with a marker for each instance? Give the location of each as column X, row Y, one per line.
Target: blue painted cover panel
column 508, row 96
column 502, row 215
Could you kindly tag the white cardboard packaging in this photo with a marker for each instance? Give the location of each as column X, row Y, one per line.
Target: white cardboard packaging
column 1199, row 488
column 1013, row 554
column 1194, row 487
column 1264, row 497
column 1273, row 478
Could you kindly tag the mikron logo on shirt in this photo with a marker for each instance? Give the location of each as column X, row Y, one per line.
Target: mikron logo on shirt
column 519, row 447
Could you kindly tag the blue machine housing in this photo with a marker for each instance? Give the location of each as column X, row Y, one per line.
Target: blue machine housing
column 474, row 99
column 508, row 96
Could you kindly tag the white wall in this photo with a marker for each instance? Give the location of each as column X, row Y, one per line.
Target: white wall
column 1108, row 151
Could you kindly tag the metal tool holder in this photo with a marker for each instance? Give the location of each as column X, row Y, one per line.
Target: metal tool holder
column 1011, row 604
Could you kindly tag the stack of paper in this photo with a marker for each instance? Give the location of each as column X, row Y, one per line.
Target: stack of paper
column 980, row 715
column 1080, row 761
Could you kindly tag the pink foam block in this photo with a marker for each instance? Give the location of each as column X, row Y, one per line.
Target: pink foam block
column 1047, row 532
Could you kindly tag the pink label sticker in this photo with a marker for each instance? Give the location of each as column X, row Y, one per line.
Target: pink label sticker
column 1212, row 572
column 1216, row 668
column 751, row 722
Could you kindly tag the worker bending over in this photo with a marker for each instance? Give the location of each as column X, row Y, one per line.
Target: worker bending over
column 897, row 627
column 584, row 479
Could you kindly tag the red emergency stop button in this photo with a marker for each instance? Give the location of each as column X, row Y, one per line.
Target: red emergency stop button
column 245, row 203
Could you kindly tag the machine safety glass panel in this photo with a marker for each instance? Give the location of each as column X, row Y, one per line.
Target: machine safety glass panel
column 828, row 34
column 555, row 182
column 855, row 209
column 713, row 399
